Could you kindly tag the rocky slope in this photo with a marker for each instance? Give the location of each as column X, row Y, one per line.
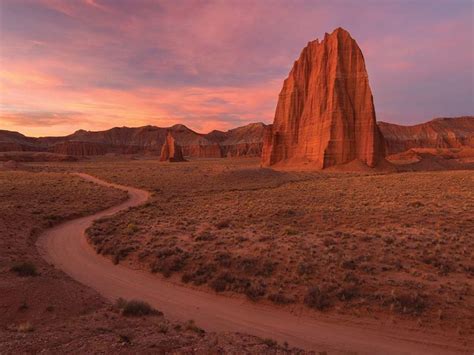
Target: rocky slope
column 456, row 132
column 325, row 114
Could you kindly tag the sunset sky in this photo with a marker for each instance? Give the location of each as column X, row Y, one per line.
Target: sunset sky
column 95, row 64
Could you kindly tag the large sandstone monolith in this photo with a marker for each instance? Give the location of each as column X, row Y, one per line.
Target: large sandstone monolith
column 325, row 113
column 171, row 151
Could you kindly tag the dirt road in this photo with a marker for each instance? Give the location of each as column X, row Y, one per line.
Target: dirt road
column 66, row 247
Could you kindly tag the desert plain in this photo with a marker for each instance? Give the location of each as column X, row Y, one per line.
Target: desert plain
column 159, row 195
column 383, row 250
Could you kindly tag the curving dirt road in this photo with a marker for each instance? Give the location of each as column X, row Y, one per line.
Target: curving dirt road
column 66, row 247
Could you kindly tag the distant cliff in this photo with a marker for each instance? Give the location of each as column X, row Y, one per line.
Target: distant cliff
column 242, row 141
column 453, row 132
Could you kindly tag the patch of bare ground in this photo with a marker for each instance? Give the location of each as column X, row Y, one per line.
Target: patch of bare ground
column 42, row 309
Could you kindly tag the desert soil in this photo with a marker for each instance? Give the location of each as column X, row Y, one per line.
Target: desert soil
column 75, row 256
column 44, row 310
column 368, row 247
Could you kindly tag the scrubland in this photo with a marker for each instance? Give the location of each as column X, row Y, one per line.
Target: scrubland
column 392, row 246
column 42, row 309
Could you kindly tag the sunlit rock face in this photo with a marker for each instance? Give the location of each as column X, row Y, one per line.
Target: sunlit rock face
column 171, row 151
column 325, row 114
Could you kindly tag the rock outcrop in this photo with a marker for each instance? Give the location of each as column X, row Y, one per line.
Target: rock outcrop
column 455, row 132
column 171, row 151
column 325, row 114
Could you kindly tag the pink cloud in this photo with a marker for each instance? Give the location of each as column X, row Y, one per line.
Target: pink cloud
column 217, row 64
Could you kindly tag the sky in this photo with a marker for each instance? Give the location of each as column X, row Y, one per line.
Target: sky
column 217, row 64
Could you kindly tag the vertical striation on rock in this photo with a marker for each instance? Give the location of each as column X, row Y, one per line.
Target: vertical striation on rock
column 325, row 114
column 171, row 151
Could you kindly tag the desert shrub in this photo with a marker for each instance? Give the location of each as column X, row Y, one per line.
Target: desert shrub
column 170, row 262
column 280, row 298
column 201, row 276
column 349, row 264
column 254, row 266
column 286, row 213
column 24, row 269
column 269, row 342
column 305, row 268
column 247, row 265
column 222, row 281
column 413, row 304
column 266, row 269
column 132, row 228
column 136, row 308
column 125, row 338
column 223, row 259
column 223, row 224
column 348, row 292
column 166, row 252
column 351, row 277
column 255, row 291
column 205, row 236
column 191, row 325
column 163, row 328
column 116, row 259
column 120, row 303
column 186, row 277
column 317, row 298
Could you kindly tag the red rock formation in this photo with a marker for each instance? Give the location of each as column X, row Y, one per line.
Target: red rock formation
column 22, row 156
column 456, row 132
column 325, row 114
column 246, row 141
column 78, row 148
column 171, row 151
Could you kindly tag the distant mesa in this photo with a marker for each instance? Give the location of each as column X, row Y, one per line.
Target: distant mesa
column 246, row 141
column 443, row 132
column 325, row 113
column 171, row 151
column 243, row 141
